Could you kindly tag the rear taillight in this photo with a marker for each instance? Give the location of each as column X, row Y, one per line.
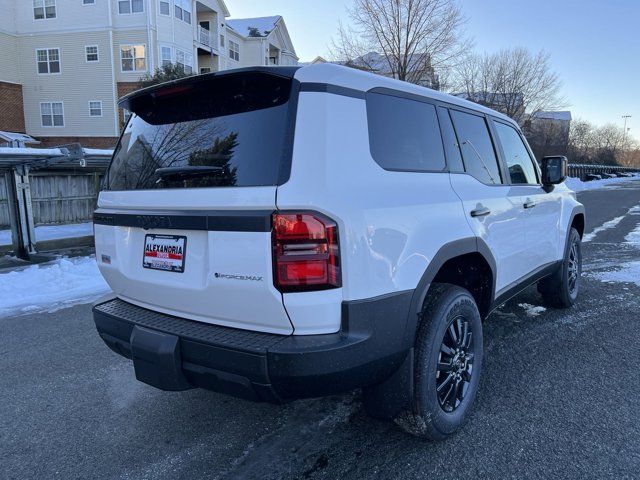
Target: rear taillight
column 306, row 253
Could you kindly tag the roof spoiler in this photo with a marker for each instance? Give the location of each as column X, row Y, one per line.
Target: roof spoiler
column 175, row 85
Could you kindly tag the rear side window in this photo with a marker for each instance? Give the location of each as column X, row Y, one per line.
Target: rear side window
column 404, row 134
column 519, row 163
column 477, row 149
column 224, row 131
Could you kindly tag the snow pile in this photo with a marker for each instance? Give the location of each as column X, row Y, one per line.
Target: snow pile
column 532, row 310
column 628, row 273
column 52, row 286
column 54, row 232
column 605, row 226
column 578, row 185
column 633, row 237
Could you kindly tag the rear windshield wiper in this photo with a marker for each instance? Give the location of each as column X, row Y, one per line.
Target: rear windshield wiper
column 186, row 172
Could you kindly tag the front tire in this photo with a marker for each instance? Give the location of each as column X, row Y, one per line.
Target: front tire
column 561, row 289
column 448, row 363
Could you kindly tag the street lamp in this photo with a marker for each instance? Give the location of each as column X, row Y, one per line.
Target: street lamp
column 625, row 118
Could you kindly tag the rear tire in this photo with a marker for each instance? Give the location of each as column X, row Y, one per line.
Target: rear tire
column 561, row 289
column 448, row 363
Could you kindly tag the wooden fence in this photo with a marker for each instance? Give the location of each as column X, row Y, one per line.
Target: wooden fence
column 57, row 198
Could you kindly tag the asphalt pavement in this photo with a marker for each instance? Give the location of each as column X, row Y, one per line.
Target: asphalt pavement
column 558, row 399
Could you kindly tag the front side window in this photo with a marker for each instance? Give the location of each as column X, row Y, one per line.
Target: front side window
column 165, row 8
column 52, row 114
column 130, row 6
column 44, row 9
column 234, row 50
column 133, row 58
column 166, row 56
column 404, row 134
column 91, row 53
column 476, row 146
column 519, row 163
column 95, row 108
column 48, row 60
column 185, row 60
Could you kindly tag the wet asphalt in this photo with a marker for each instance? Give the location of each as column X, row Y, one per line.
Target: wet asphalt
column 558, row 399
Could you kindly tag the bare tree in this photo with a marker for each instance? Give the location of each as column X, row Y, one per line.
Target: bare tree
column 512, row 81
column 605, row 145
column 404, row 39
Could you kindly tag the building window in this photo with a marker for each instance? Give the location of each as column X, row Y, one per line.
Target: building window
column 52, row 114
column 48, row 60
column 88, row 2
column 234, row 50
column 165, row 8
column 185, row 60
column 205, row 70
column 165, row 53
column 130, row 6
column 222, row 40
column 95, row 108
column 133, row 58
column 183, row 10
column 44, row 9
column 91, row 53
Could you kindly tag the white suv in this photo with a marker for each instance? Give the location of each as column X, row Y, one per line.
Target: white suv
column 277, row 233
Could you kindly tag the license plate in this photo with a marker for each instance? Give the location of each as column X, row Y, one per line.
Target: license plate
column 164, row 252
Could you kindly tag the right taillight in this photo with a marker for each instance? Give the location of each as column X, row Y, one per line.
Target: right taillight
column 306, row 252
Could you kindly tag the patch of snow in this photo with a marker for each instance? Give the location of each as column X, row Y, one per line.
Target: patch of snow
column 25, row 151
column 532, row 310
column 97, row 151
column 54, row 232
column 627, row 273
column 578, row 185
column 633, row 237
column 605, row 226
column 52, row 286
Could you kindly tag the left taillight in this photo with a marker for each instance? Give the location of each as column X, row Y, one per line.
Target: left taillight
column 306, row 252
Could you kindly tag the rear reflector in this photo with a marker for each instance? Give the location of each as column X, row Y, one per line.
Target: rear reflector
column 306, row 252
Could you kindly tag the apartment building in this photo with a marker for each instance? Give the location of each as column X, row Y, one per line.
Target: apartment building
column 65, row 63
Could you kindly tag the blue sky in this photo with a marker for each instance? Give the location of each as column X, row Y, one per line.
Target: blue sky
column 594, row 44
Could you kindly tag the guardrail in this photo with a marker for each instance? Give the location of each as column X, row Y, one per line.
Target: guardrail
column 581, row 171
column 204, row 36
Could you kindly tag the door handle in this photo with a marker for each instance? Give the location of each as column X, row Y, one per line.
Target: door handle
column 480, row 212
column 529, row 204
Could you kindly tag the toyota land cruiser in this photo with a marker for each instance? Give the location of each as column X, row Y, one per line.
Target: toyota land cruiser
column 277, row 233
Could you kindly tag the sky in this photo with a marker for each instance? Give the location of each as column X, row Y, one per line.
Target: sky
column 594, row 44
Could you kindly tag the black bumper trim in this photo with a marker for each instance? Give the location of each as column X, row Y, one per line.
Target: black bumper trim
column 268, row 367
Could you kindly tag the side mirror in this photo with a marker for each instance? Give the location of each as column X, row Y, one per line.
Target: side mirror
column 554, row 171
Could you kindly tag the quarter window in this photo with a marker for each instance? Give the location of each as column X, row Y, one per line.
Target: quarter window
column 48, row 60
column 91, row 53
column 404, row 134
column 234, row 50
column 52, row 114
column 44, row 9
column 519, row 163
column 165, row 8
column 133, row 58
column 477, row 148
column 95, row 109
column 130, row 6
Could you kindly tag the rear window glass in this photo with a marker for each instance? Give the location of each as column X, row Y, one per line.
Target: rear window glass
column 404, row 134
column 221, row 131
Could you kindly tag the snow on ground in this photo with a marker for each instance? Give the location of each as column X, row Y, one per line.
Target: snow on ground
column 578, row 185
column 532, row 310
column 52, row 286
column 53, row 232
column 628, row 273
column 633, row 237
column 605, row 226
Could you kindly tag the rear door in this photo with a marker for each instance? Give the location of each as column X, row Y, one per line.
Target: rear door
column 184, row 220
column 493, row 210
column 541, row 210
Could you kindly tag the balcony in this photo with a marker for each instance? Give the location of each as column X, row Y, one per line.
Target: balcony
column 204, row 37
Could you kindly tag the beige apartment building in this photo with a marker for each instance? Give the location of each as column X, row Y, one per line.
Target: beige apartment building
column 65, row 63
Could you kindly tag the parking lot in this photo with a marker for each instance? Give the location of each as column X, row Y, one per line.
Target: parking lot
column 558, row 399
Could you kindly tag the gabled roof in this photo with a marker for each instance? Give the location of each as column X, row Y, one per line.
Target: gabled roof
column 563, row 115
column 254, row 27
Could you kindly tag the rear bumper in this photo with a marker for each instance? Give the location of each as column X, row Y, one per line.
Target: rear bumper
column 173, row 353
